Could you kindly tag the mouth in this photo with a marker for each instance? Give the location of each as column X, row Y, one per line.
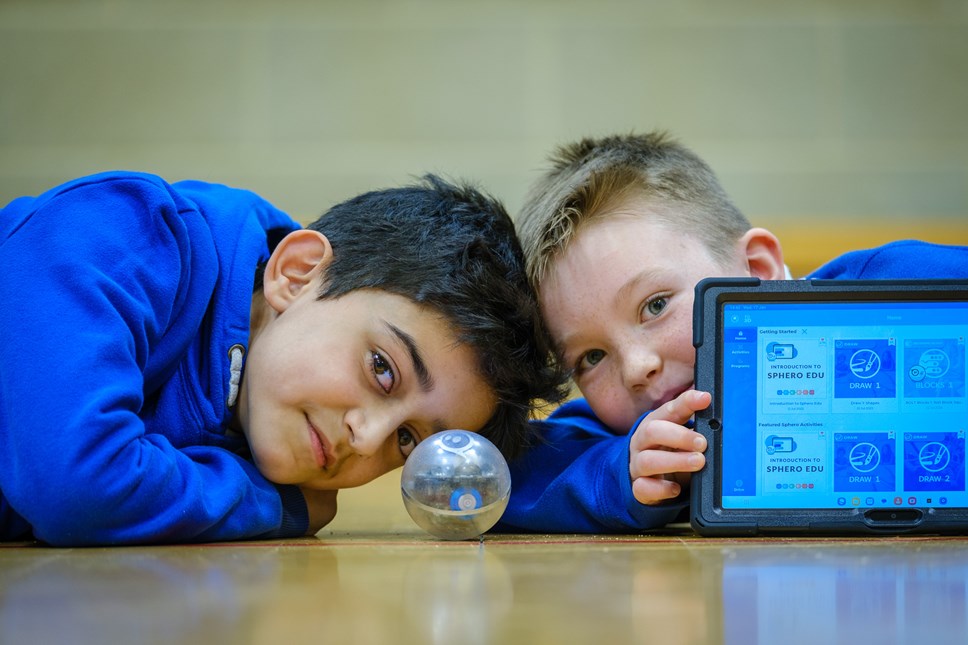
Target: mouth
column 317, row 440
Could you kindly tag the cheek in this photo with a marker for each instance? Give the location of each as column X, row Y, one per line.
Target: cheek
column 302, row 371
column 276, row 384
column 269, row 368
column 678, row 338
column 611, row 405
column 687, row 351
column 362, row 471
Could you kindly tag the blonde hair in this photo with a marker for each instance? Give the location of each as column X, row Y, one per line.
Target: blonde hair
column 588, row 178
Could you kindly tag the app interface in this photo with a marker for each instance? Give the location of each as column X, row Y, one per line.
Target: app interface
column 834, row 405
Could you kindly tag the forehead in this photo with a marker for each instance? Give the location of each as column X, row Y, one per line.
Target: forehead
column 611, row 245
column 634, row 211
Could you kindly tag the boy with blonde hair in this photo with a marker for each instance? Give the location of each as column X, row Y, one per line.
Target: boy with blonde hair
column 616, row 235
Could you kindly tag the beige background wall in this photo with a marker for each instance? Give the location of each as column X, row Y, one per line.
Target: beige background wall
column 815, row 113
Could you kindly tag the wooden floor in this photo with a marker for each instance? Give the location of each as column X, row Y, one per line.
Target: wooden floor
column 373, row 577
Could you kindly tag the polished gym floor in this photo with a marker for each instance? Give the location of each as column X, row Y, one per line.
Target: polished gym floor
column 374, row 577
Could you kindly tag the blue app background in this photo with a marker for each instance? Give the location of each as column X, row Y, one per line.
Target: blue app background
column 864, row 461
column 865, row 369
column 934, row 368
column 934, row 461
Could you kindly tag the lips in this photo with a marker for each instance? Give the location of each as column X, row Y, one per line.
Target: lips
column 318, row 443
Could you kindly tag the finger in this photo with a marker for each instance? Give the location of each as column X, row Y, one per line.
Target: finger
column 666, row 435
column 650, row 463
column 680, row 409
column 653, row 490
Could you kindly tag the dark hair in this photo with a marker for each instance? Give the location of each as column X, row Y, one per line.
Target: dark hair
column 453, row 249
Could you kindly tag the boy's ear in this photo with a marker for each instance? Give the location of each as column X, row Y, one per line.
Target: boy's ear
column 297, row 261
column 763, row 254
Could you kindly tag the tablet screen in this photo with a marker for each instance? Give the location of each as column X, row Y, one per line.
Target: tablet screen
column 828, row 405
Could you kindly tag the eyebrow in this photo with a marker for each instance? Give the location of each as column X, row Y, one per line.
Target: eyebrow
column 646, row 275
column 419, row 366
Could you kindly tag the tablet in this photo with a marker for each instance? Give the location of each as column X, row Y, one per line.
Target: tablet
column 837, row 406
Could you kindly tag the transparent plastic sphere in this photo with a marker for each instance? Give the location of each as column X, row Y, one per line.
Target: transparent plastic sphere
column 456, row 485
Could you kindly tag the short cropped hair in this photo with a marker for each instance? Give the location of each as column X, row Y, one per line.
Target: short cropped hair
column 589, row 177
column 454, row 249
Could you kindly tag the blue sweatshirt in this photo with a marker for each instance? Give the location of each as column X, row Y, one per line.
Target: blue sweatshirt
column 577, row 479
column 122, row 296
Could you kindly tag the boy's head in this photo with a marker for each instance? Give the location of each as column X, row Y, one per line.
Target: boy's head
column 616, row 234
column 396, row 314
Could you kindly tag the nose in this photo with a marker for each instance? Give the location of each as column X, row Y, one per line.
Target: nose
column 369, row 430
column 640, row 365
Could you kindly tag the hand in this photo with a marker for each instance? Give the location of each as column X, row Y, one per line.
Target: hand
column 322, row 508
column 663, row 452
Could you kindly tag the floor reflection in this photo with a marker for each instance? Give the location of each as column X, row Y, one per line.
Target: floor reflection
column 508, row 590
column 126, row 595
column 869, row 593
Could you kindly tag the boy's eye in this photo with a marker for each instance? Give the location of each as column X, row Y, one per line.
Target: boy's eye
column 406, row 441
column 655, row 306
column 382, row 370
column 590, row 359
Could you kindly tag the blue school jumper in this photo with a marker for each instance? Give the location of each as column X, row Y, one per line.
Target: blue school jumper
column 577, row 479
column 122, row 297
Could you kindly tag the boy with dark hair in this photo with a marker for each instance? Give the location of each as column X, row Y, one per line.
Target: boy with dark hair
column 616, row 235
column 149, row 394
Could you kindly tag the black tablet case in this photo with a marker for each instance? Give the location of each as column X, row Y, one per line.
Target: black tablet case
column 707, row 515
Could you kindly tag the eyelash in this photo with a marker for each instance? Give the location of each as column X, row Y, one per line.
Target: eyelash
column 379, row 362
column 580, row 367
column 664, row 298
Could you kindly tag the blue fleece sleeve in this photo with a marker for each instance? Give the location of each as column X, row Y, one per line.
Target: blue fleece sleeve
column 576, row 480
column 901, row 260
column 92, row 280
